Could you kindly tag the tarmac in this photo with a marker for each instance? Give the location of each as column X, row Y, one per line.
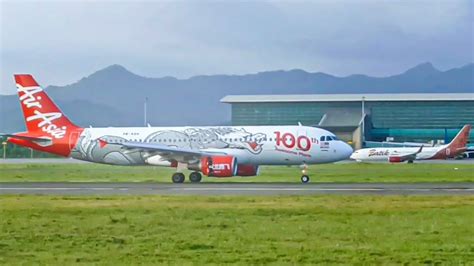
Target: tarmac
column 224, row 189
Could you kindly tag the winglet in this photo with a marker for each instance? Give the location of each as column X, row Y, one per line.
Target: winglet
column 421, row 148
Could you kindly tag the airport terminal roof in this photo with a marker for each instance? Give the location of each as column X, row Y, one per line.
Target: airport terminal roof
column 371, row 97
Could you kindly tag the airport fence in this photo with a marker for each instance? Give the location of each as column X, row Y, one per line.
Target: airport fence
column 14, row 151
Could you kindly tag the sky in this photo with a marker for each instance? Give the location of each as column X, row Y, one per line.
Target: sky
column 61, row 42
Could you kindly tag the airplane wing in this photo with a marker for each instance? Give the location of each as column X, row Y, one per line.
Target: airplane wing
column 172, row 153
column 404, row 157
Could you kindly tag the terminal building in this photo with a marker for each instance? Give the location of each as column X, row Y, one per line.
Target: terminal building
column 362, row 118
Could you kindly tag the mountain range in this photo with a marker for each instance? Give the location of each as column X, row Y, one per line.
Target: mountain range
column 114, row 96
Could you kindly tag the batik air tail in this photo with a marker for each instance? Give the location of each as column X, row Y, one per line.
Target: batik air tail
column 395, row 155
column 48, row 129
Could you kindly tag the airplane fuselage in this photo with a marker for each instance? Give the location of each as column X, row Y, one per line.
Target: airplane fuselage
column 258, row 145
column 383, row 154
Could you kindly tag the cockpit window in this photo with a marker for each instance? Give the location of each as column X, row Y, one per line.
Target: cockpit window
column 328, row 138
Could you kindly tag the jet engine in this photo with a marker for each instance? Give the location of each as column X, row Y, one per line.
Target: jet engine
column 395, row 159
column 219, row 166
column 247, row 170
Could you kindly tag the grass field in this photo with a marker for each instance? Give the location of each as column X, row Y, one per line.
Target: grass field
column 246, row 230
column 318, row 173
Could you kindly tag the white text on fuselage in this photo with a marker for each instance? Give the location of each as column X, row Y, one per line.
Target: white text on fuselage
column 378, row 153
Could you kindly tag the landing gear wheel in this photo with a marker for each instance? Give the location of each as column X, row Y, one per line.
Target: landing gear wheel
column 304, row 179
column 178, row 178
column 410, row 161
column 195, row 177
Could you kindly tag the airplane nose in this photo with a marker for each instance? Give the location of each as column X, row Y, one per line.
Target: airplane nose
column 346, row 151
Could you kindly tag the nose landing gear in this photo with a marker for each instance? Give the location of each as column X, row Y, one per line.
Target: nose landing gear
column 304, row 176
column 304, row 179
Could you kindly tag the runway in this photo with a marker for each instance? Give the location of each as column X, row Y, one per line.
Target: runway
column 237, row 188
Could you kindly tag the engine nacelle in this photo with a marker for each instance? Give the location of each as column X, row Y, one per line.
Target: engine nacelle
column 247, row 170
column 219, row 166
column 395, row 159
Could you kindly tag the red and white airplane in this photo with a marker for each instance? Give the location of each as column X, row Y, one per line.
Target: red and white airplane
column 214, row 151
column 396, row 155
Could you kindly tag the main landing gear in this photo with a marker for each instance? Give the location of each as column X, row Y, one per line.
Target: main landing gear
column 304, row 175
column 194, row 177
column 177, row 178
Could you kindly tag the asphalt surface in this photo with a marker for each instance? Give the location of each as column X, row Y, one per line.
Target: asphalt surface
column 237, row 188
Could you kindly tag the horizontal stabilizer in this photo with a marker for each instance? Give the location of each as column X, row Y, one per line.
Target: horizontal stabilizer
column 42, row 141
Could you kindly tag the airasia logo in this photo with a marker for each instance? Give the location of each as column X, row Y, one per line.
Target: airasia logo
column 28, row 98
column 46, row 124
column 289, row 141
column 220, row 166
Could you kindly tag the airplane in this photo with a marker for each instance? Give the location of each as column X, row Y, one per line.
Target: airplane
column 397, row 155
column 221, row 151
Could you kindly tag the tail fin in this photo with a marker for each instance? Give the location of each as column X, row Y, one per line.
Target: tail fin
column 40, row 112
column 48, row 129
column 460, row 141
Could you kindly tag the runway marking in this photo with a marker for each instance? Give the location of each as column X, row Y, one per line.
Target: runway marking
column 57, row 188
column 323, row 189
column 239, row 189
column 235, row 189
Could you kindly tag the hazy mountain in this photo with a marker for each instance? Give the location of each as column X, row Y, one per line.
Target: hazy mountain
column 114, row 96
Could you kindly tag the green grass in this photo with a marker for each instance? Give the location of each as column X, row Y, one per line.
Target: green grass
column 319, row 173
column 246, row 230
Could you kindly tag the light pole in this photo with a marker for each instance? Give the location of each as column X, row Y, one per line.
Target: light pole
column 363, row 120
column 145, row 111
column 4, row 149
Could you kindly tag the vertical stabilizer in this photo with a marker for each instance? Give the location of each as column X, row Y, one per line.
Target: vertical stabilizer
column 40, row 113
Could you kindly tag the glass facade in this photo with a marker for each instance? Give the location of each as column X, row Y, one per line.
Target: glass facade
column 284, row 113
column 403, row 120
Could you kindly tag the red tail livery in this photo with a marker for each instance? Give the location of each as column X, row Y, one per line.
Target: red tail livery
column 48, row 129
